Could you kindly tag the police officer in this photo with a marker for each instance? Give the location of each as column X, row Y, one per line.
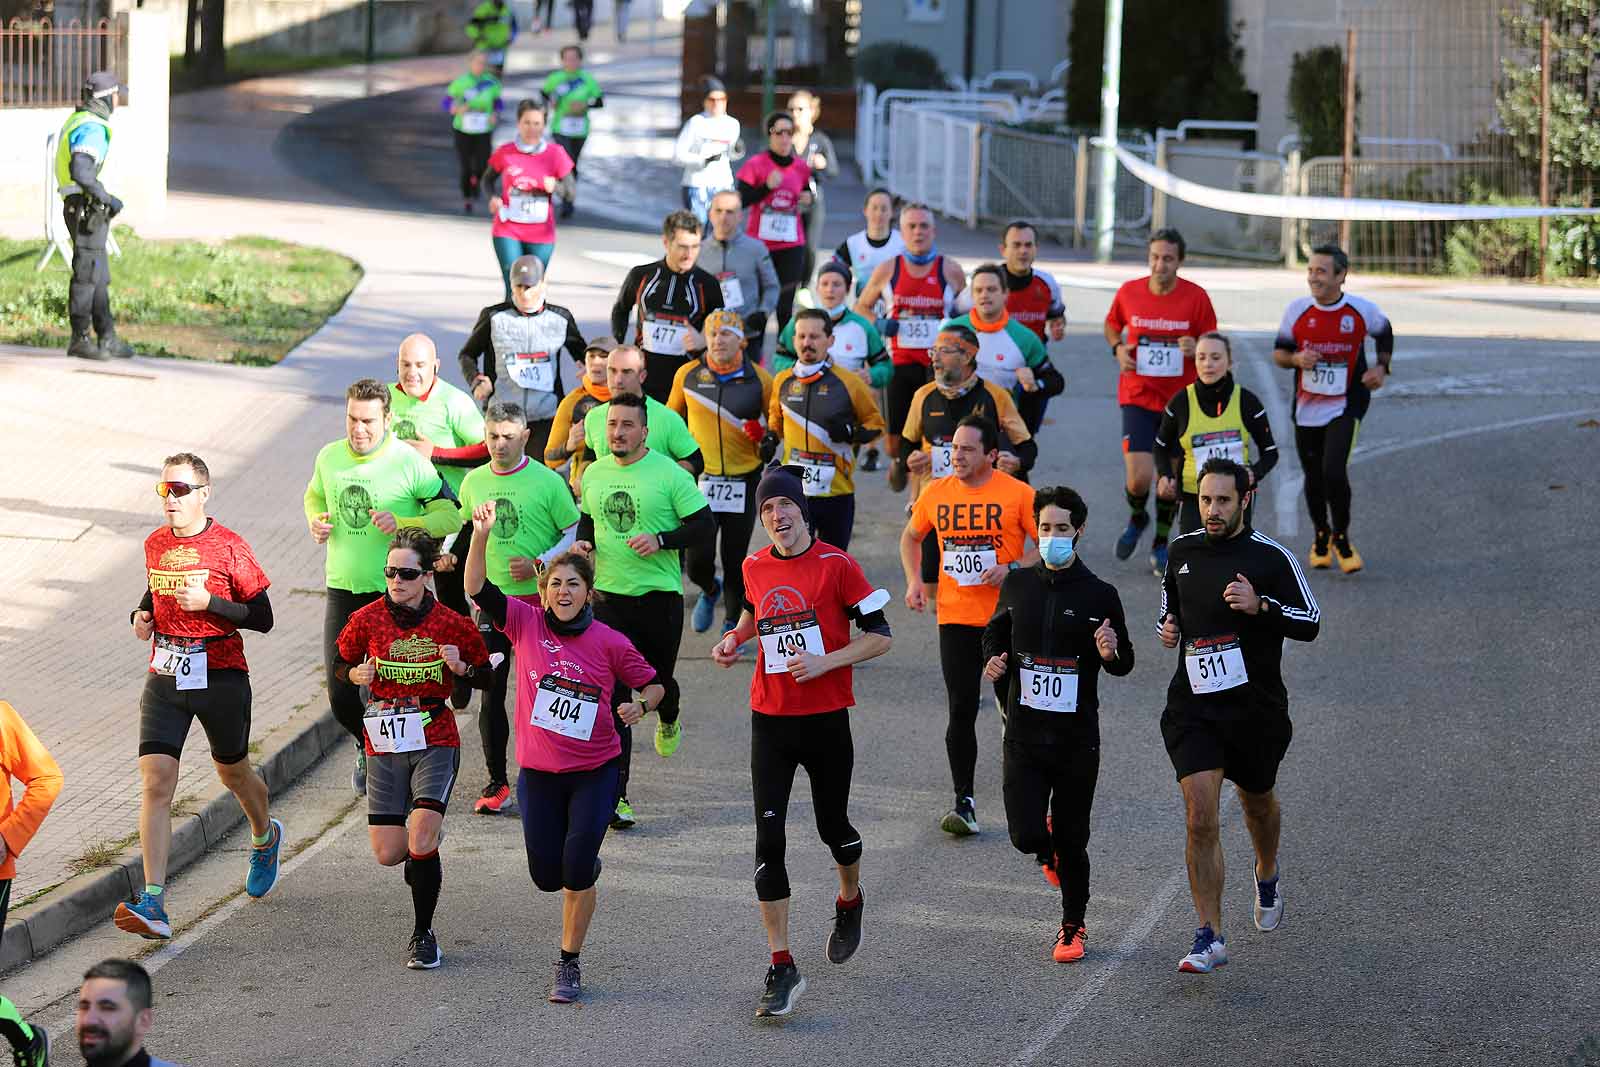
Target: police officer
column 81, row 151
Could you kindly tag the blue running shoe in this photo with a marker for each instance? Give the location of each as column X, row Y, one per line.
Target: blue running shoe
column 264, row 864
column 1158, row 559
column 705, row 609
column 1130, row 537
column 1209, row 953
column 144, row 916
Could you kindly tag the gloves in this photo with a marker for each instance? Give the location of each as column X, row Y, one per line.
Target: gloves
column 753, row 430
column 887, row 327
column 113, row 205
column 768, row 448
column 755, row 324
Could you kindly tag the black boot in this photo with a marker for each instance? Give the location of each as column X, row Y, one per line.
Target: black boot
column 114, row 347
column 84, row 347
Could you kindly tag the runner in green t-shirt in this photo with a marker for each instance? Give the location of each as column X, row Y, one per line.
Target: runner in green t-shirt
column 572, row 93
column 668, row 433
column 640, row 510
column 363, row 488
column 473, row 103
column 535, row 521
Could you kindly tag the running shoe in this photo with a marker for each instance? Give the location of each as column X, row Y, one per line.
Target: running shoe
column 1130, row 537
column 1269, row 904
column 846, row 936
column 1349, row 559
column 784, row 986
column 264, row 864
column 1320, row 557
column 705, row 609
column 1051, row 875
column 466, row 207
column 1158, row 559
column 1210, row 952
column 143, row 916
column 623, row 818
column 869, row 462
column 425, row 954
column 962, row 820
column 566, row 209
column 568, row 985
column 669, row 735
column 1070, row 942
column 897, row 476
column 36, row 1053
column 358, row 777
column 494, row 799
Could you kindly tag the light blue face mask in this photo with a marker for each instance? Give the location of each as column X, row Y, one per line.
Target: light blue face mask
column 1056, row 551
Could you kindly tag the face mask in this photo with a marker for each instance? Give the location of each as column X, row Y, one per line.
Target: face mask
column 1056, row 551
column 809, row 370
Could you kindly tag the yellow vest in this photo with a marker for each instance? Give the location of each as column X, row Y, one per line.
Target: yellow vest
column 65, row 186
column 1206, row 436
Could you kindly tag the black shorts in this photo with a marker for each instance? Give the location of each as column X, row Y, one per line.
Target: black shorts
column 223, row 708
column 1247, row 750
column 1139, row 428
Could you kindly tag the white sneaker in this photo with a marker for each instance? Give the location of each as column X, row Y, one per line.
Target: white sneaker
column 1210, row 952
column 1269, row 904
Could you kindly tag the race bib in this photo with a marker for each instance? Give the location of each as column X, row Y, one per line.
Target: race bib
column 778, row 228
column 571, row 126
column 965, row 558
column 724, row 495
column 476, row 122
column 564, row 707
column 181, row 659
column 1218, row 444
column 816, row 471
column 1159, row 359
column 527, row 207
column 941, row 455
column 664, row 335
column 917, row 332
column 1326, row 379
column 394, row 726
column 532, row 370
column 1214, row 663
column 783, row 636
column 1049, row 684
column 732, row 291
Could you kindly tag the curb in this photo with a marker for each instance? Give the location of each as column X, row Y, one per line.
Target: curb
column 87, row 900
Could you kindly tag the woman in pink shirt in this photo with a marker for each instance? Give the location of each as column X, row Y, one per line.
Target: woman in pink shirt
column 776, row 187
column 523, row 175
column 568, row 665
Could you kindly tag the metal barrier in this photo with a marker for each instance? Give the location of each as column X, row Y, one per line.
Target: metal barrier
column 57, row 238
column 45, row 66
column 872, row 119
column 934, row 157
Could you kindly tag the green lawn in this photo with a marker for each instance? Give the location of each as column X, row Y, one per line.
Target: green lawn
column 247, row 300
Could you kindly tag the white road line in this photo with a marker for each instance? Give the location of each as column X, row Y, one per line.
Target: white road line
column 1285, row 488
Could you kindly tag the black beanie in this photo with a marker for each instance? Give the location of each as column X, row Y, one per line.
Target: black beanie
column 783, row 481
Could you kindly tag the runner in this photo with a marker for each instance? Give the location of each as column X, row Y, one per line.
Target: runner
column 855, row 344
column 705, row 149
column 202, row 586
column 723, row 397
column 1163, row 314
column 743, row 267
column 491, row 29
column 639, row 511
column 565, row 442
column 114, row 1016
column 801, row 594
column 569, row 752
column 536, row 522
column 1034, row 299
column 821, row 414
column 1053, row 629
column 1009, row 354
column 1230, row 596
column 571, row 92
column 1323, row 337
column 406, row 649
column 667, row 302
column 863, row 250
column 473, row 101
column 523, row 174
column 816, row 148
column 363, row 488
column 513, row 354
column 982, row 519
column 919, row 287
column 24, row 759
column 668, row 434
column 775, row 186
column 1211, row 417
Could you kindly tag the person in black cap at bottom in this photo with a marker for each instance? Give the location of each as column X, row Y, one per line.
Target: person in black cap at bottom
column 81, row 150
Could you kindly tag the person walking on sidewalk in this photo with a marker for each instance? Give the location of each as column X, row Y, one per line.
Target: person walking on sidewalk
column 523, row 175
column 705, row 149
column 81, row 150
column 571, row 93
column 743, row 268
column 667, row 301
column 24, row 759
column 473, row 101
column 202, row 586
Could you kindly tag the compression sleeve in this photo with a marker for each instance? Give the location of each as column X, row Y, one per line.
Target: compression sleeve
column 1051, row 381
column 622, row 309
column 474, row 455
column 1173, row 419
column 492, row 602
column 478, row 346
column 440, row 516
column 751, row 194
column 696, row 528
column 586, row 527
column 568, row 537
column 1260, row 432
column 252, row 614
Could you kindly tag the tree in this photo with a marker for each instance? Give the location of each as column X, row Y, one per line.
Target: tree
column 1316, row 100
column 1574, row 87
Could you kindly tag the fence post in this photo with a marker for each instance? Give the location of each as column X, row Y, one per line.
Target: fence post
column 1158, row 203
column 866, row 102
column 1080, row 193
column 1291, row 185
column 1544, row 149
column 973, row 174
column 1347, row 181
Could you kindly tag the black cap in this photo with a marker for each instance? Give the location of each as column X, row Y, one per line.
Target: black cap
column 100, row 83
column 783, row 481
column 711, row 84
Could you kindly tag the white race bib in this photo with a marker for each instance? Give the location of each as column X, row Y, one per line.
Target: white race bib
column 965, row 559
column 180, row 658
column 917, row 332
column 724, row 495
column 394, row 726
column 732, row 291
column 778, row 227
column 665, row 336
column 783, row 636
column 1159, row 359
column 1049, row 684
column 527, row 207
column 816, row 471
column 1218, row 444
column 532, row 370
column 1326, row 379
column 476, row 122
column 565, row 708
column 571, row 126
column 941, row 456
column 1214, row 664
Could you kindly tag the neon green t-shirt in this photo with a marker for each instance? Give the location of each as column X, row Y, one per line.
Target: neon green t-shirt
column 532, row 506
column 390, row 478
column 479, row 93
column 665, row 430
column 564, row 90
column 651, row 495
column 447, row 417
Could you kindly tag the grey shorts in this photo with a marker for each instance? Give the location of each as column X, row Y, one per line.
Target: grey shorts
column 223, row 708
column 397, row 782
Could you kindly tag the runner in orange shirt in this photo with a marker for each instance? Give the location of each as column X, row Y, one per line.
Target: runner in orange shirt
column 22, row 757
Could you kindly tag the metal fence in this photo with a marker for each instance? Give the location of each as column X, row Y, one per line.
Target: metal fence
column 42, row 65
column 934, row 157
column 1223, row 233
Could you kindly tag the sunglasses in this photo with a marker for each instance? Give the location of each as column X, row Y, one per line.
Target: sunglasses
column 177, row 489
column 950, row 350
column 405, row 574
column 783, row 131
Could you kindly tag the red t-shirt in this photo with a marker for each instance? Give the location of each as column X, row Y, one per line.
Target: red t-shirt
column 1338, row 332
column 1032, row 304
column 410, row 664
column 217, row 558
column 527, row 213
column 1158, row 321
column 799, row 603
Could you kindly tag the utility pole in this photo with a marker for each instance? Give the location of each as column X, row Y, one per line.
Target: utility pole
column 372, row 29
column 1544, row 150
column 1105, row 207
column 1347, row 173
column 768, row 74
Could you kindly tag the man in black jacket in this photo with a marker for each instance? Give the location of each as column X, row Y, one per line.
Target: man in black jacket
column 667, row 302
column 1055, row 626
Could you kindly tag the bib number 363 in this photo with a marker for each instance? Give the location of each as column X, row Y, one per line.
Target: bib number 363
column 1214, row 664
column 184, row 661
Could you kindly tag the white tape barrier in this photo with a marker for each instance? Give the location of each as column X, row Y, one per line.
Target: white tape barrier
column 1326, row 207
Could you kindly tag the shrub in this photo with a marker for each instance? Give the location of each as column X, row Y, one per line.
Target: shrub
column 892, row 65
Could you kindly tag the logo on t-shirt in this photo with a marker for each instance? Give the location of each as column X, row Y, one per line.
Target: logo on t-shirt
column 180, row 558
column 354, row 503
column 781, row 600
column 620, row 511
column 405, row 429
column 506, row 519
column 1347, row 324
